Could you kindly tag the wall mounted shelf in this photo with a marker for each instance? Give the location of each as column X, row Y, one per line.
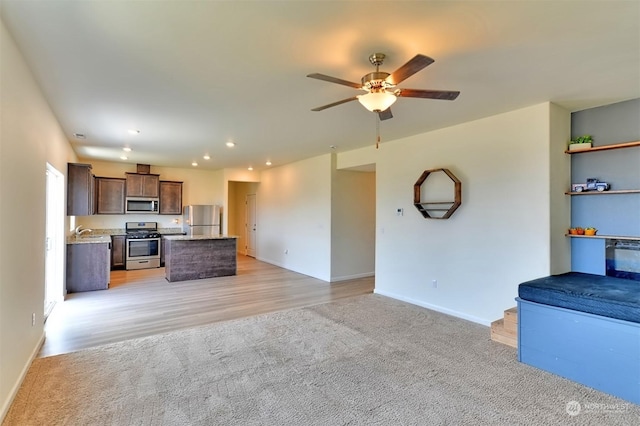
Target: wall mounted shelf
column 611, row 192
column 605, row 237
column 617, row 191
column 605, row 147
column 424, row 207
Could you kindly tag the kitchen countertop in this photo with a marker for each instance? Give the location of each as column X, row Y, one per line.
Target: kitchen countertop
column 199, row 237
column 170, row 231
column 89, row 239
column 104, row 235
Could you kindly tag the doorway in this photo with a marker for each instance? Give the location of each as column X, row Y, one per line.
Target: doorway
column 241, row 193
column 54, row 244
column 250, row 225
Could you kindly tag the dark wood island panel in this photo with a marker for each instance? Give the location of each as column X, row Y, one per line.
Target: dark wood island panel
column 189, row 258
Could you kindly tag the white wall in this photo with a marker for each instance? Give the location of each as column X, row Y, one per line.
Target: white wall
column 498, row 238
column 29, row 138
column 560, row 182
column 353, row 224
column 294, row 214
column 199, row 187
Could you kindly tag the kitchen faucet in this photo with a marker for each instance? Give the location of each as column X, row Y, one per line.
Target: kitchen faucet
column 80, row 231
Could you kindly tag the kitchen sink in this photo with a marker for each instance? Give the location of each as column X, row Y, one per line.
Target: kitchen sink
column 91, row 237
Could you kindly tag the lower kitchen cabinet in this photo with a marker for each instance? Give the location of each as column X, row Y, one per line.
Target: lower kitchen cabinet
column 88, row 266
column 118, row 257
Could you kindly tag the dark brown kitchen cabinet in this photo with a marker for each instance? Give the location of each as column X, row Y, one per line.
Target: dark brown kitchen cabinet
column 118, row 259
column 142, row 185
column 110, row 195
column 80, row 187
column 170, row 197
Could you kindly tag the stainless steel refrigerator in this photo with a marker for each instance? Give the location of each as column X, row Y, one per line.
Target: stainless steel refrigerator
column 201, row 219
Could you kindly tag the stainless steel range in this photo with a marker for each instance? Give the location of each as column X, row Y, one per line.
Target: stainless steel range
column 142, row 245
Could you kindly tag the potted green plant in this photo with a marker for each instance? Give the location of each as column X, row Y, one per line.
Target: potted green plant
column 580, row 143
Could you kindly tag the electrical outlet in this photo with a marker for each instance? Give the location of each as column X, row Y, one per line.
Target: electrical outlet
column 33, row 319
column 434, row 283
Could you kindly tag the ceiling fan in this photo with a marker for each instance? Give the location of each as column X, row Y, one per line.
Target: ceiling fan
column 381, row 86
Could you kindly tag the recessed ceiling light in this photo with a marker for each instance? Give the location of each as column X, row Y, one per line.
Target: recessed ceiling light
column 123, row 157
column 79, row 136
column 231, row 144
column 250, row 168
column 134, row 131
column 126, row 149
column 268, row 163
column 194, row 164
column 206, row 157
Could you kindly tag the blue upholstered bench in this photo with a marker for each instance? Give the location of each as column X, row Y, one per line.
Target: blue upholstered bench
column 583, row 327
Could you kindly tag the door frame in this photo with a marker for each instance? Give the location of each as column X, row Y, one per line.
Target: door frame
column 54, row 239
column 247, row 225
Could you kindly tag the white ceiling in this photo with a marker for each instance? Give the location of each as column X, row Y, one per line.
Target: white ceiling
column 192, row 75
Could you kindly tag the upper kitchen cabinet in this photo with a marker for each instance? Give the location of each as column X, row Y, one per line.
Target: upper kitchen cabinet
column 110, row 195
column 142, row 185
column 170, row 197
column 80, row 186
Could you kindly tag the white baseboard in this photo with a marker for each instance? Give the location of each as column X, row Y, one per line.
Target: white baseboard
column 16, row 387
column 279, row 265
column 352, row 277
column 434, row 307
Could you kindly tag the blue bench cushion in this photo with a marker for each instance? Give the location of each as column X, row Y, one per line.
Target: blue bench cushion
column 596, row 294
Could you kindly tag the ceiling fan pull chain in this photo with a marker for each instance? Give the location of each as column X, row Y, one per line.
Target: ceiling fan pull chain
column 377, row 130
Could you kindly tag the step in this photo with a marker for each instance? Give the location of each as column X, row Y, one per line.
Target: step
column 501, row 335
column 511, row 320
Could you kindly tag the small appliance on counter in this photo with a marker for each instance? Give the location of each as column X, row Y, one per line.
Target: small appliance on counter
column 201, row 219
column 142, row 245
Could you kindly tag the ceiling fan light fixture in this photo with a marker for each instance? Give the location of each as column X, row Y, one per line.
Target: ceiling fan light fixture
column 377, row 101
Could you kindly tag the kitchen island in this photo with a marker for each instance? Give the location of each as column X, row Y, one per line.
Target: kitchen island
column 199, row 256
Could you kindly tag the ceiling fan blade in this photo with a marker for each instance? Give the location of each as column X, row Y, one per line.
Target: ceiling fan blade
column 320, row 108
column 447, row 95
column 386, row 114
column 410, row 68
column 335, row 80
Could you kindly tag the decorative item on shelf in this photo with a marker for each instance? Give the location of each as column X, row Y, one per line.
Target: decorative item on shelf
column 593, row 184
column 573, row 231
column 580, row 143
column 590, row 231
column 579, row 231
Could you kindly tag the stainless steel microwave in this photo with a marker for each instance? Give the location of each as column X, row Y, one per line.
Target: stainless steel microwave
column 139, row 205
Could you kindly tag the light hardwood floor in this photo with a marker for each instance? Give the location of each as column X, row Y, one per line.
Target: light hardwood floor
column 142, row 303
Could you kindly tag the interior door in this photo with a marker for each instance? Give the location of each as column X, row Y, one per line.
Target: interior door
column 54, row 244
column 250, row 225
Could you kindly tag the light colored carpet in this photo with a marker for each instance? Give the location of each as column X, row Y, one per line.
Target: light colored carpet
column 367, row 360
